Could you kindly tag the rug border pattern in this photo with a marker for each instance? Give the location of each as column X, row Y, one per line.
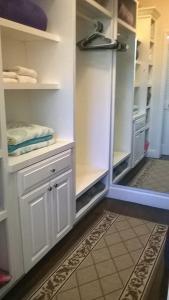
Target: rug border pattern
column 56, row 280
column 137, row 283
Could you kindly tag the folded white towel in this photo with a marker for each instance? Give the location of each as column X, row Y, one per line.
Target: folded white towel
column 26, row 79
column 20, row 132
column 9, row 80
column 32, row 147
column 9, row 74
column 25, row 71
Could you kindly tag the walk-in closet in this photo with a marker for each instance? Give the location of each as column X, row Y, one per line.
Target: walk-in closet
column 84, row 104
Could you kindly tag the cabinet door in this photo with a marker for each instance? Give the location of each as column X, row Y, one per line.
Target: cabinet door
column 35, row 222
column 142, row 140
column 138, row 147
column 62, row 205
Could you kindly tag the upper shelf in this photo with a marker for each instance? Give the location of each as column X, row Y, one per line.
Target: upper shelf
column 25, row 33
column 126, row 26
column 94, row 8
column 31, row 86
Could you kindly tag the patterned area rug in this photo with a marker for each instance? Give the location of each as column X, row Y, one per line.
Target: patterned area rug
column 114, row 261
column 153, row 176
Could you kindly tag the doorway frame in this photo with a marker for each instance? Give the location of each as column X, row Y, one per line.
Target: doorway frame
column 163, row 86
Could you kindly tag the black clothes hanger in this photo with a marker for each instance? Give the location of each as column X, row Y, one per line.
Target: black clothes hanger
column 107, row 43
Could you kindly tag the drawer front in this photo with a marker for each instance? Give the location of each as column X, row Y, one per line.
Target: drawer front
column 30, row 177
column 140, row 123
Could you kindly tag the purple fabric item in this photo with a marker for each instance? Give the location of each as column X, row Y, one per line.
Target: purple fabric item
column 25, row 12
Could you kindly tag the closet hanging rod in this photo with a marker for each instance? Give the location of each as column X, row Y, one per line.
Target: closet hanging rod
column 82, row 16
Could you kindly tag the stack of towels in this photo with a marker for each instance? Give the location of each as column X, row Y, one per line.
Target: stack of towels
column 20, row 74
column 23, row 137
column 135, row 109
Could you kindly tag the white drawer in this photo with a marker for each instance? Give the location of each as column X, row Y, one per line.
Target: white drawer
column 139, row 123
column 30, row 177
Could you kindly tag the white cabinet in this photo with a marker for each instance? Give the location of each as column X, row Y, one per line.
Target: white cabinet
column 138, row 146
column 138, row 139
column 35, row 223
column 47, row 211
column 62, row 212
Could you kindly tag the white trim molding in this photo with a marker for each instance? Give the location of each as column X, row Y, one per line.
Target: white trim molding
column 135, row 195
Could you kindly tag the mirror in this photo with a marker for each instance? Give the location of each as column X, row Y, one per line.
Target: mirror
column 141, row 127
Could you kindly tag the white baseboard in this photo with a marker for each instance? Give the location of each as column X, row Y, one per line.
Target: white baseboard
column 164, row 149
column 144, row 197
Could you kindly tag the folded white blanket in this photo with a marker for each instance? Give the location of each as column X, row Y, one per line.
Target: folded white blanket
column 25, row 71
column 26, row 79
column 9, row 80
column 9, row 74
column 20, row 132
column 32, row 147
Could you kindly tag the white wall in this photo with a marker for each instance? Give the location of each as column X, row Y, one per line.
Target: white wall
column 162, row 25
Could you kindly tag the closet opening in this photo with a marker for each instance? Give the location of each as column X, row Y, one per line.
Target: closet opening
column 123, row 105
column 93, row 103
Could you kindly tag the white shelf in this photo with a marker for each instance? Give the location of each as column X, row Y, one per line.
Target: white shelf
column 147, row 127
column 16, row 163
column 148, row 106
column 89, row 205
column 138, row 115
column 31, row 86
column 3, row 215
column 120, row 176
column 25, row 33
column 86, row 177
column 138, row 62
column 137, row 84
column 126, row 26
column 94, row 8
column 119, row 157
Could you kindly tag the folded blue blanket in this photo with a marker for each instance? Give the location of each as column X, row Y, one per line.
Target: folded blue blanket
column 12, row 148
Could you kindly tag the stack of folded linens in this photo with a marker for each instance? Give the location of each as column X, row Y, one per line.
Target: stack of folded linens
column 135, row 109
column 23, row 137
column 124, row 12
column 20, row 74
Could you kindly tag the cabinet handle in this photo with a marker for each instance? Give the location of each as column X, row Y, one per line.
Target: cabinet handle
column 53, row 170
column 56, row 185
column 50, row 189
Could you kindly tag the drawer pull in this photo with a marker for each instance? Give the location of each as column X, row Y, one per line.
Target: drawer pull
column 53, row 170
column 56, row 185
column 50, row 189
